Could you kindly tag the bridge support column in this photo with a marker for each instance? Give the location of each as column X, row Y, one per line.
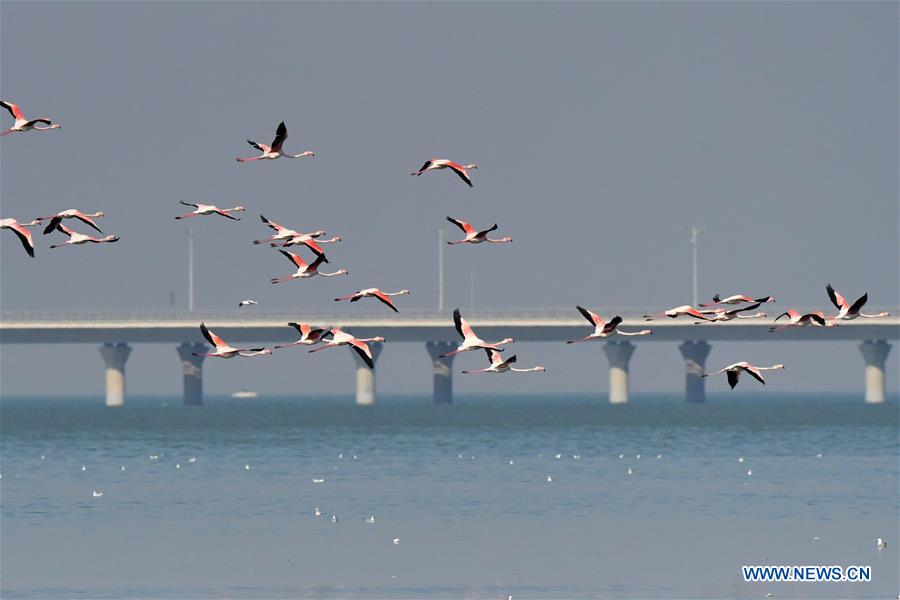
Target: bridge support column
column 115, row 355
column 192, row 372
column 875, row 354
column 443, row 370
column 365, row 377
column 618, row 354
column 695, row 353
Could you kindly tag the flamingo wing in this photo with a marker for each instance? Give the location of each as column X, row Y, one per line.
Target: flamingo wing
column 860, row 302
column 424, row 167
column 385, row 300
column 362, row 349
column 280, row 136
column 746, row 308
column 271, row 224
column 320, row 258
column 755, row 374
column 592, row 317
column 211, row 337
column 462, row 173
column 25, row 237
column 52, row 225
column 88, row 221
column 314, row 247
column 295, row 258
column 819, row 319
column 613, row 323
column 732, row 377
column 219, row 211
column 13, row 109
column 461, row 325
column 836, row 299
column 466, row 227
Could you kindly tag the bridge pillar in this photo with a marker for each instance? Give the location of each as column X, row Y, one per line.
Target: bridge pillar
column 365, row 377
column 443, row 370
column 192, row 372
column 115, row 355
column 695, row 353
column 875, row 354
column 618, row 354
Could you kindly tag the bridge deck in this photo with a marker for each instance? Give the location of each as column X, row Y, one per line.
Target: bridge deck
column 255, row 325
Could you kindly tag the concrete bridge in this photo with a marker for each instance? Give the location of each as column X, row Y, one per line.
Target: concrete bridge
column 115, row 331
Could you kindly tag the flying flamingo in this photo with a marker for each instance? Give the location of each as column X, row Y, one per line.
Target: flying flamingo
column 374, row 293
column 308, row 335
column 281, row 232
column 602, row 329
column 720, row 314
column 738, row 299
column 359, row 345
column 23, row 234
column 306, row 270
column 274, row 151
column 498, row 365
column 86, row 218
column 76, row 238
column 223, row 350
column 733, row 372
column 847, row 311
column 306, row 239
column 673, row 313
column 210, row 209
column 795, row 319
column 474, row 236
column 23, row 124
column 470, row 340
column 443, row 163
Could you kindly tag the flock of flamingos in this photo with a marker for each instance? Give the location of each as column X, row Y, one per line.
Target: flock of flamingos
column 283, row 237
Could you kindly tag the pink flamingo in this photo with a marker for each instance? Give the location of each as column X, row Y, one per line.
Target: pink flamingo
column 602, row 329
column 306, row 239
column 384, row 297
column 443, row 163
column 210, row 209
column 281, row 232
column 720, row 314
column 274, row 151
column 738, row 299
column 676, row 312
column 308, row 335
column 359, row 345
column 847, row 311
column 71, row 213
column 498, row 365
column 21, row 232
column 733, row 372
column 306, row 270
column 76, row 238
column 795, row 319
column 224, row 350
column 470, row 340
column 473, row 236
column 23, row 124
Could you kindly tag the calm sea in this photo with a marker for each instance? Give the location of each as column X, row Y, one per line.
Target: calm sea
column 490, row 497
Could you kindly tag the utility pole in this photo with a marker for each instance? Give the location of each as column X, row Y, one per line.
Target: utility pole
column 694, row 232
column 440, row 269
column 190, row 235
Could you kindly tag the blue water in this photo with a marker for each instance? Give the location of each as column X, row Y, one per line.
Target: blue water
column 464, row 488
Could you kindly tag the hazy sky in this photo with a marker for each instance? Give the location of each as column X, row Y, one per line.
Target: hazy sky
column 603, row 131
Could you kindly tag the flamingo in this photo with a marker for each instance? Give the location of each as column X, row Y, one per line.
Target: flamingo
column 847, row 311
column 223, row 350
column 308, row 335
column 738, row 299
column 71, row 213
column 720, row 314
column 498, row 365
column 816, row 319
column 733, row 372
column 384, row 297
column 76, row 238
column 602, row 329
column 210, row 209
column 474, row 236
column 274, row 151
column 673, row 313
column 443, row 163
column 281, row 232
column 470, row 340
column 306, row 270
column 359, row 345
column 21, row 232
column 306, row 239
column 23, row 124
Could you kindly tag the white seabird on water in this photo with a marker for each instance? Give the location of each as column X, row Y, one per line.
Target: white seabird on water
column 244, row 303
column 97, row 493
column 318, row 512
column 123, row 467
column 396, row 541
column 192, row 459
column 246, row 467
column 83, row 468
column 749, row 472
column 740, row 459
column 334, row 519
column 630, row 472
column 318, row 480
column 549, row 479
column 370, row 520
column 880, row 544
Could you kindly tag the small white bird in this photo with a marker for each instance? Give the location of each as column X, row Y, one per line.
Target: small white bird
column 621, row 456
column 83, row 468
column 177, row 465
column 880, row 544
column 630, row 472
column 318, row 480
column 318, row 512
column 192, row 459
column 749, row 472
column 370, row 520
column 740, row 459
column 123, row 467
column 549, row 479
column 97, row 493
column 334, row 519
column 243, row 303
column 819, row 455
column 396, row 541
column 246, row 467
column 153, row 457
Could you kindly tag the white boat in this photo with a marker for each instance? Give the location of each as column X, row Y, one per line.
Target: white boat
column 243, row 394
